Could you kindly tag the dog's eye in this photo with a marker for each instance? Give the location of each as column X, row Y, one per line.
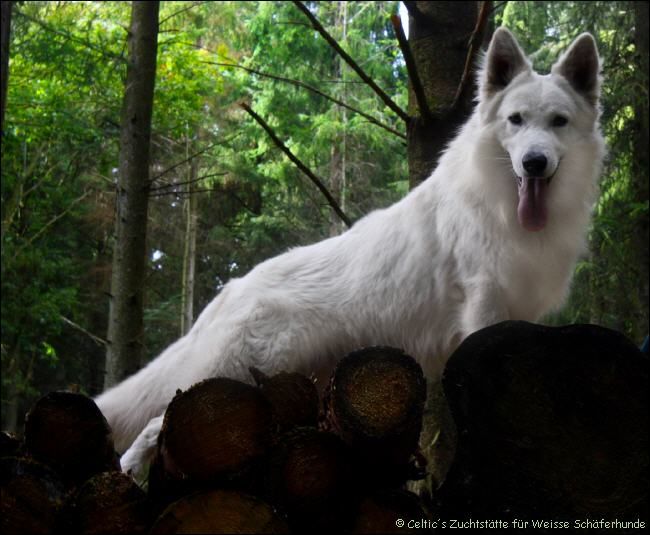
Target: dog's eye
column 515, row 118
column 559, row 120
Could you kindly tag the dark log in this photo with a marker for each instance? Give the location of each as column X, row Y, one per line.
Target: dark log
column 374, row 403
column 310, row 477
column 381, row 513
column 219, row 511
column 31, row 495
column 293, row 397
column 108, row 503
column 215, row 429
column 552, row 423
column 68, row 432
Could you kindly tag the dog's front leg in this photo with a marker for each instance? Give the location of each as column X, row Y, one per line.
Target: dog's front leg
column 138, row 457
column 485, row 305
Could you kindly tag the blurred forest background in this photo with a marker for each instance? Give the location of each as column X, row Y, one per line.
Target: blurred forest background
column 222, row 196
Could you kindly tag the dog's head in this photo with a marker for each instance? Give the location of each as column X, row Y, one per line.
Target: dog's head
column 540, row 121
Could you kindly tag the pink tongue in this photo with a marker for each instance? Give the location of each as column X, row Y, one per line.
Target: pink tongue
column 532, row 203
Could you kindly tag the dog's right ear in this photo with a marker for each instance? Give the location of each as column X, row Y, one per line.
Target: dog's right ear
column 504, row 60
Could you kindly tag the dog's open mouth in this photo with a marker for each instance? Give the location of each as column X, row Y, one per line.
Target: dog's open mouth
column 531, row 211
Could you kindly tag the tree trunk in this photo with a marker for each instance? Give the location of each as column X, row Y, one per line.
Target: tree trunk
column 189, row 255
column 439, row 33
column 640, row 159
column 338, row 156
column 125, row 328
column 6, row 30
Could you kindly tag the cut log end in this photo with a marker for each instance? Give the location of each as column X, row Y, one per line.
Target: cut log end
column 215, row 428
column 551, row 421
column 219, row 511
column 68, row 432
column 375, row 402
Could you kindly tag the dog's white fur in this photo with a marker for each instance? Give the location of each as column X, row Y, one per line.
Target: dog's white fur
column 448, row 259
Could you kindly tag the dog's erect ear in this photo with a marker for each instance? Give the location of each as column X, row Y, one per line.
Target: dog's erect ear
column 580, row 65
column 504, row 60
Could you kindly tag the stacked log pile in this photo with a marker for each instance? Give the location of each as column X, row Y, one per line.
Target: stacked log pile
column 231, row 457
column 552, row 424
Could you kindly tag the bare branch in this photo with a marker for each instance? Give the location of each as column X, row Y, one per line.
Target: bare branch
column 474, row 45
column 178, row 164
column 191, row 6
column 198, row 179
column 353, row 64
column 317, row 181
column 99, row 341
column 49, row 224
column 411, row 67
column 298, row 83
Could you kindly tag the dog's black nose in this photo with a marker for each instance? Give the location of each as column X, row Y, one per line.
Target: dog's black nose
column 534, row 163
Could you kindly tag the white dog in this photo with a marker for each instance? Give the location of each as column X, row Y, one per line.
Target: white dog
column 493, row 234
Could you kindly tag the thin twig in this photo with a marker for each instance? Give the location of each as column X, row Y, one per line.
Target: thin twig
column 317, row 181
column 474, row 45
column 177, row 164
column 198, row 179
column 298, row 83
column 353, row 64
column 411, row 67
column 50, row 223
column 192, row 6
column 99, row 341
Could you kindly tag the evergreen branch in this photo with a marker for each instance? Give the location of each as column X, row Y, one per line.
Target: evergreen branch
column 474, row 45
column 353, row 64
column 298, row 83
column 411, row 68
column 317, row 181
column 70, row 37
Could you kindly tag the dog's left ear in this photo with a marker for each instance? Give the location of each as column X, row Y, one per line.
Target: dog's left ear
column 580, row 65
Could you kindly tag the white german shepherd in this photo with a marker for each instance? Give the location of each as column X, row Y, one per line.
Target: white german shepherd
column 493, row 234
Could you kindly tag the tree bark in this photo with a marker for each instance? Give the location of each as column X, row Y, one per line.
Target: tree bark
column 640, row 160
column 6, row 30
column 125, row 329
column 338, row 153
column 439, row 33
column 189, row 255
